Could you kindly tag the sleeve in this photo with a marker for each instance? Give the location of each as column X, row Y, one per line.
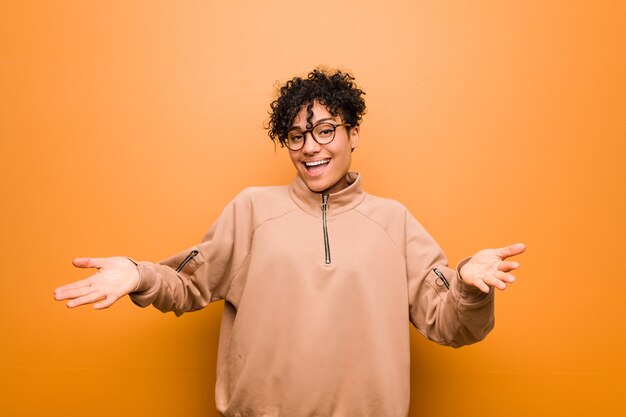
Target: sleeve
column 441, row 305
column 201, row 274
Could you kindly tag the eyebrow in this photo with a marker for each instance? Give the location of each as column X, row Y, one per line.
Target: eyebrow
column 316, row 122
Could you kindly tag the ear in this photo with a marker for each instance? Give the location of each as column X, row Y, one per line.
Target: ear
column 354, row 137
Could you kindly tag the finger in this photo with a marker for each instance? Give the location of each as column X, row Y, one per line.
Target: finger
column 88, row 262
column 512, row 250
column 106, row 303
column 83, row 283
column 497, row 284
column 481, row 285
column 505, row 277
column 87, row 299
column 506, row 266
column 72, row 293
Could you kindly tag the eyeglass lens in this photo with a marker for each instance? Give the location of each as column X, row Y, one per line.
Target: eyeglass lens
column 323, row 133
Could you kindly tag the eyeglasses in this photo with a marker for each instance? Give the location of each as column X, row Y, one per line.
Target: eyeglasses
column 322, row 133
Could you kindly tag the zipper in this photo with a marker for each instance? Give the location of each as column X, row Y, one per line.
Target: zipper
column 325, row 227
column 442, row 278
column 189, row 257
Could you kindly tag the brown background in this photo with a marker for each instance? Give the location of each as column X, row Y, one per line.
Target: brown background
column 126, row 127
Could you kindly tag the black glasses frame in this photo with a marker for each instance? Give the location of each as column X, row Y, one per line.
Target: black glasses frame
column 310, row 130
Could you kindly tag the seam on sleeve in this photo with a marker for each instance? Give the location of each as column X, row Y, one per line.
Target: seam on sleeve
column 236, row 274
column 383, row 229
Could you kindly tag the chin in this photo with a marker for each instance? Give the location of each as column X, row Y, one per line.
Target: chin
column 314, row 188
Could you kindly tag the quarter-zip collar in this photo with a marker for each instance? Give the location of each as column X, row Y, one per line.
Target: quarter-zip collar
column 339, row 202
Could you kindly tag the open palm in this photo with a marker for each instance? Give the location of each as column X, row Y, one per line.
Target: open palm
column 489, row 267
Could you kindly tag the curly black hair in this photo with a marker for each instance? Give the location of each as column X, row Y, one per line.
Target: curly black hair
column 335, row 90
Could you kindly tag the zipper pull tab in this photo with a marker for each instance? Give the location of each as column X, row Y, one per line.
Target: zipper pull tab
column 324, row 202
column 442, row 278
column 189, row 257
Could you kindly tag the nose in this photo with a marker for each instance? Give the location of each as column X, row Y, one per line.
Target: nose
column 310, row 145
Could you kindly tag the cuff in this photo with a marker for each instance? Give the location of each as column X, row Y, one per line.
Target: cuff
column 148, row 286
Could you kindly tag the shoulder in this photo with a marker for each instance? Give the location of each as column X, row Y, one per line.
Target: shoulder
column 262, row 193
column 263, row 202
column 379, row 206
column 387, row 213
column 390, row 214
column 397, row 221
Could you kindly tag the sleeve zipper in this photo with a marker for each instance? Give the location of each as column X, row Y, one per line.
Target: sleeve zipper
column 325, row 227
column 442, row 278
column 189, row 257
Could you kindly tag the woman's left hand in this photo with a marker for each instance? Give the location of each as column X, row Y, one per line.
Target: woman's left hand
column 488, row 268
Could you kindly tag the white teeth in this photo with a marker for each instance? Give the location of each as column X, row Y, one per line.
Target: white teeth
column 316, row 163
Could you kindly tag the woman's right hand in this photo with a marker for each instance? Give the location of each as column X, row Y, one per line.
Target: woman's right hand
column 115, row 277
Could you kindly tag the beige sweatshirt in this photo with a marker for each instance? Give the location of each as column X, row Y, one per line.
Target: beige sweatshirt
column 317, row 300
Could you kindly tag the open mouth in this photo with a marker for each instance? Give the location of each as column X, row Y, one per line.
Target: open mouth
column 316, row 167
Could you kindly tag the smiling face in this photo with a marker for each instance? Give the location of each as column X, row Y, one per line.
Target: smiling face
column 323, row 168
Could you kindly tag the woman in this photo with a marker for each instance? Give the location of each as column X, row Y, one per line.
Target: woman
column 318, row 277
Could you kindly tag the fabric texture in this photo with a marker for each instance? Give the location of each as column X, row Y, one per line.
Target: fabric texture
column 303, row 337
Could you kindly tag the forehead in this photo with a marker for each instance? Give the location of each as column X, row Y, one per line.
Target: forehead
column 319, row 111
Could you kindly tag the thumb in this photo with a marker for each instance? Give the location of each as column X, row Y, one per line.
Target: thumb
column 511, row 250
column 88, row 262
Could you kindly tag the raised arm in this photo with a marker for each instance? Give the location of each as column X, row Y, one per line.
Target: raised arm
column 454, row 307
column 115, row 277
column 187, row 281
